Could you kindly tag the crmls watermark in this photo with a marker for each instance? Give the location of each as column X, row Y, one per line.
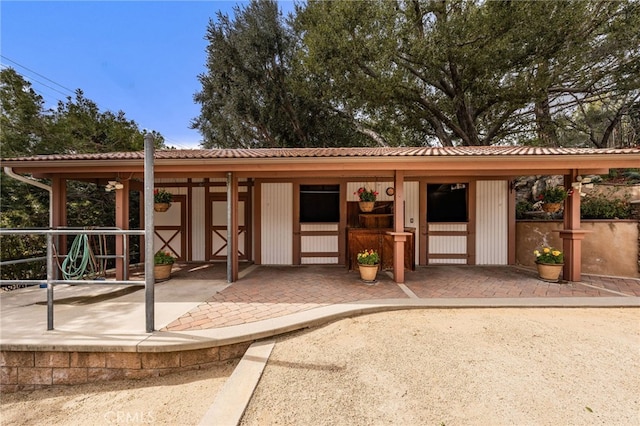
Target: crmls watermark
column 129, row 417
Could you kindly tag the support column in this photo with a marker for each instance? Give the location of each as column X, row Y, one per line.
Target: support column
column 122, row 222
column 58, row 218
column 59, row 205
column 232, row 227
column 572, row 235
column 399, row 236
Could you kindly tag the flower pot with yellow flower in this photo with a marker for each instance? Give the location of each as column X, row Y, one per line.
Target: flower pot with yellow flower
column 368, row 264
column 549, row 262
column 162, row 264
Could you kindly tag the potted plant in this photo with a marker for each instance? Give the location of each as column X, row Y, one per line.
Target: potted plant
column 367, row 199
column 368, row 264
column 552, row 198
column 163, row 262
column 549, row 262
column 161, row 200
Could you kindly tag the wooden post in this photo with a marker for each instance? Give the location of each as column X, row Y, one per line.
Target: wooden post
column 572, row 235
column 232, row 227
column 122, row 222
column 58, row 217
column 399, row 236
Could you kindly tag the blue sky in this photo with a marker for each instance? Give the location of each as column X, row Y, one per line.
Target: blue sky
column 141, row 57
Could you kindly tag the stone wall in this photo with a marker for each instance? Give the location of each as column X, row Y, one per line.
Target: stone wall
column 27, row 370
column 610, row 248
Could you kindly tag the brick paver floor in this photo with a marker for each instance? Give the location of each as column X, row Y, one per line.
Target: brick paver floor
column 273, row 291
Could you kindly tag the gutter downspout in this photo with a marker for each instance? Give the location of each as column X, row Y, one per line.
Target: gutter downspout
column 9, row 172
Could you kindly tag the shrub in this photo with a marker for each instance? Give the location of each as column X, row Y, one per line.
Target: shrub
column 604, row 208
column 522, row 207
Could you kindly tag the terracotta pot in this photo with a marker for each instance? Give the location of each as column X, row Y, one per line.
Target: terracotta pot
column 551, row 207
column 368, row 272
column 549, row 271
column 366, row 206
column 161, row 207
column 162, row 272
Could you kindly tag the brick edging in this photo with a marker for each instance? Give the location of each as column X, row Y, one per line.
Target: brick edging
column 27, row 370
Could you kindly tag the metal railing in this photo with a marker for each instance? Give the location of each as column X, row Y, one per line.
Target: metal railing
column 52, row 264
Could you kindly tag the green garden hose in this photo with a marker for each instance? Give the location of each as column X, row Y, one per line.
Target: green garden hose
column 79, row 261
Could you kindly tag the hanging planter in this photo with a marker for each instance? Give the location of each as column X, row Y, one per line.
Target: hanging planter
column 161, row 207
column 551, row 207
column 552, row 198
column 162, row 200
column 366, row 206
column 367, row 199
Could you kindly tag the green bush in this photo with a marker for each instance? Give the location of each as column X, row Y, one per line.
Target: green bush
column 604, row 208
column 522, row 207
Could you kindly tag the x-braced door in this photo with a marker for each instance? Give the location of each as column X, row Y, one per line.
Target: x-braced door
column 216, row 242
column 170, row 228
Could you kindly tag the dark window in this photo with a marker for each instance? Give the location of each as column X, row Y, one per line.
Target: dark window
column 447, row 202
column 319, row 203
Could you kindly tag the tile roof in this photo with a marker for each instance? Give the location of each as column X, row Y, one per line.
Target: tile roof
column 267, row 153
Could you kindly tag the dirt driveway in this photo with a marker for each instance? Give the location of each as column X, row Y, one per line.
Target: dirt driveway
column 422, row 367
column 457, row 367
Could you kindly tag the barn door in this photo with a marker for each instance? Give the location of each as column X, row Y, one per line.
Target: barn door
column 170, row 228
column 216, row 242
column 448, row 223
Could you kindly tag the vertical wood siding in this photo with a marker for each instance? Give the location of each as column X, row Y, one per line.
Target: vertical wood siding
column 447, row 244
column 492, row 222
column 277, row 224
column 199, row 227
column 412, row 212
column 319, row 243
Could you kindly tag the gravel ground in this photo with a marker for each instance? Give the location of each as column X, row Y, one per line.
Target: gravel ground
column 176, row 399
column 422, row 367
column 457, row 367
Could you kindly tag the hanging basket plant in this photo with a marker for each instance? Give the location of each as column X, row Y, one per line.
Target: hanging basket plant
column 161, row 200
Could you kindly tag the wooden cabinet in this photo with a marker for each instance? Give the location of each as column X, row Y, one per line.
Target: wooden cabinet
column 359, row 239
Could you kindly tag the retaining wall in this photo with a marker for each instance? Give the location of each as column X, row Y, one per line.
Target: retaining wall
column 27, row 370
column 610, row 248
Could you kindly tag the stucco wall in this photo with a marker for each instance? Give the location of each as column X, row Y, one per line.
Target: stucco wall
column 611, row 248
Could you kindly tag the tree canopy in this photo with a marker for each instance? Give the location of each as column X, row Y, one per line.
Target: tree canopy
column 251, row 96
column 423, row 72
column 76, row 126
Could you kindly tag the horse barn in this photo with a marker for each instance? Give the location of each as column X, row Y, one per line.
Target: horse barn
column 453, row 205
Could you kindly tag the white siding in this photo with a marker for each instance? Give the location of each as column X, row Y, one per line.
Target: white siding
column 447, row 244
column 412, row 212
column 319, row 243
column 199, row 227
column 277, row 224
column 381, row 187
column 492, row 222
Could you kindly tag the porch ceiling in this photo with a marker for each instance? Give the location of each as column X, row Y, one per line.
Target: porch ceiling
column 334, row 162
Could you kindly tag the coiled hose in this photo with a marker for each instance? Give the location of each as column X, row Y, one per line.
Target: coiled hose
column 80, row 260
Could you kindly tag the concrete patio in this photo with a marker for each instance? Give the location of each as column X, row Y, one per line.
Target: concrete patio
column 198, row 308
column 99, row 330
